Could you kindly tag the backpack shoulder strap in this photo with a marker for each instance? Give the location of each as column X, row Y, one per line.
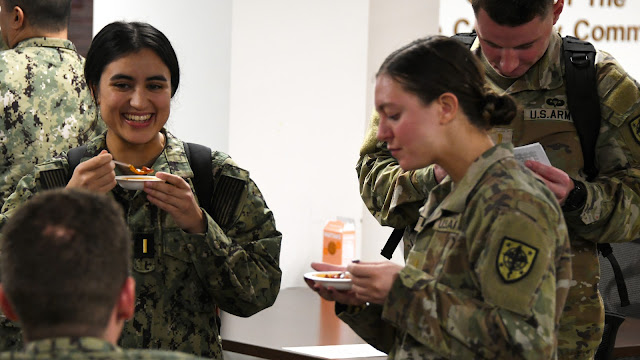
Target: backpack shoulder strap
column 584, row 105
column 466, row 38
column 199, row 157
column 607, row 252
column 74, row 156
column 582, row 96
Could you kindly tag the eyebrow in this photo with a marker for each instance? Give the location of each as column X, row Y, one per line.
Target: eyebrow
column 381, row 107
column 127, row 77
column 512, row 47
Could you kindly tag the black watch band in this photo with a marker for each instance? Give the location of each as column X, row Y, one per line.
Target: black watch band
column 576, row 198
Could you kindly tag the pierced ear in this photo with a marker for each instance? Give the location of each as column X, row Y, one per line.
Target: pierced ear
column 448, row 107
column 6, row 307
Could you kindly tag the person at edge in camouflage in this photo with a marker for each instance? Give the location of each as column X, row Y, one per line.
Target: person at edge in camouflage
column 522, row 56
column 187, row 263
column 47, row 105
column 75, row 303
column 488, row 263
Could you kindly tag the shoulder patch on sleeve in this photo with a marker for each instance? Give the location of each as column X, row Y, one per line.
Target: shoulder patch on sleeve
column 515, row 259
column 51, row 179
column 226, row 198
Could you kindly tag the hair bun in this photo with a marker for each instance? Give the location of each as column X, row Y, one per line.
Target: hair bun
column 498, row 109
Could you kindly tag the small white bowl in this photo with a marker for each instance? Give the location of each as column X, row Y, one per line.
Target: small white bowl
column 320, row 278
column 135, row 182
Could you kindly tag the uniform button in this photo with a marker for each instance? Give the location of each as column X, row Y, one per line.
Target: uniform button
column 190, row 247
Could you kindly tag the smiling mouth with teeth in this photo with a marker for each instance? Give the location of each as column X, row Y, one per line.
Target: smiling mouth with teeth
column 137, row 118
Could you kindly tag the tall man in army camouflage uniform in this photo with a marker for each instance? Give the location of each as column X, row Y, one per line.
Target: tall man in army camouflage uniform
column 47, row 107
column 66, row 278
column 522, row 56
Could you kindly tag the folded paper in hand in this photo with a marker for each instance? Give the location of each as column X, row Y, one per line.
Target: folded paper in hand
column 531, row 152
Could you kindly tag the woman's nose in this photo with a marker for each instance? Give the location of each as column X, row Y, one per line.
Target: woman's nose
column 138, row 98
column 383, row 133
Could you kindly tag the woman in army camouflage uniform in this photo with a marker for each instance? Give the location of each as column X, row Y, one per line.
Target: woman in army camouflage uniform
column 187, row 262
column 487, row 265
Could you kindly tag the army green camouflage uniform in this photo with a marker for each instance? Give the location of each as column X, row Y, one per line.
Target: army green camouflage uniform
column 487, row 271
column 87, row 348
column 612, row 206
column 47, row 106
column 182, row 278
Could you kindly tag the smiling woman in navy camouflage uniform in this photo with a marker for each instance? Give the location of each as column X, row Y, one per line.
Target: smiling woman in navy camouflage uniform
column 187, row 263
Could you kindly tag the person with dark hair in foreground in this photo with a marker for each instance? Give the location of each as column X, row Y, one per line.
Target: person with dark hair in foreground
column 66, row 262
column 488, row 261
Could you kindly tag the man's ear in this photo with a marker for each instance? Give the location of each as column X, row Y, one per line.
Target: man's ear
column 448, row 103
column 6, row 307
column 126, row 300
column 557, row 9
column 17, row 18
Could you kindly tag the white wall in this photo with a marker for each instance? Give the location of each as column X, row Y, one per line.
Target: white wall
column 611, row 25
column 200, row 32
column 298, row 73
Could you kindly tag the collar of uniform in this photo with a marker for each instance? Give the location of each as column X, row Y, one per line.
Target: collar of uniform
column 457, row 200
column 69, row 344
column 46, row 42
column 97, row 144
column 546, row 74
column 432, row 208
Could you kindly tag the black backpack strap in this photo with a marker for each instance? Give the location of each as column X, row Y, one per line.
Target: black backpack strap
column 199, row 157
column 607, row 251
column 74, row 156
column 582, row 96
column 466, row 38
column 392, row 243
column 584, row 105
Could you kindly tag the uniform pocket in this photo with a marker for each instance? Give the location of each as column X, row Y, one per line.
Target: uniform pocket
column 184, row 287
column 432, row 259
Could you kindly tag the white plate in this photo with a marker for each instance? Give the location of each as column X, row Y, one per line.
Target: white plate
column 338, row 284
column 134, row 182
